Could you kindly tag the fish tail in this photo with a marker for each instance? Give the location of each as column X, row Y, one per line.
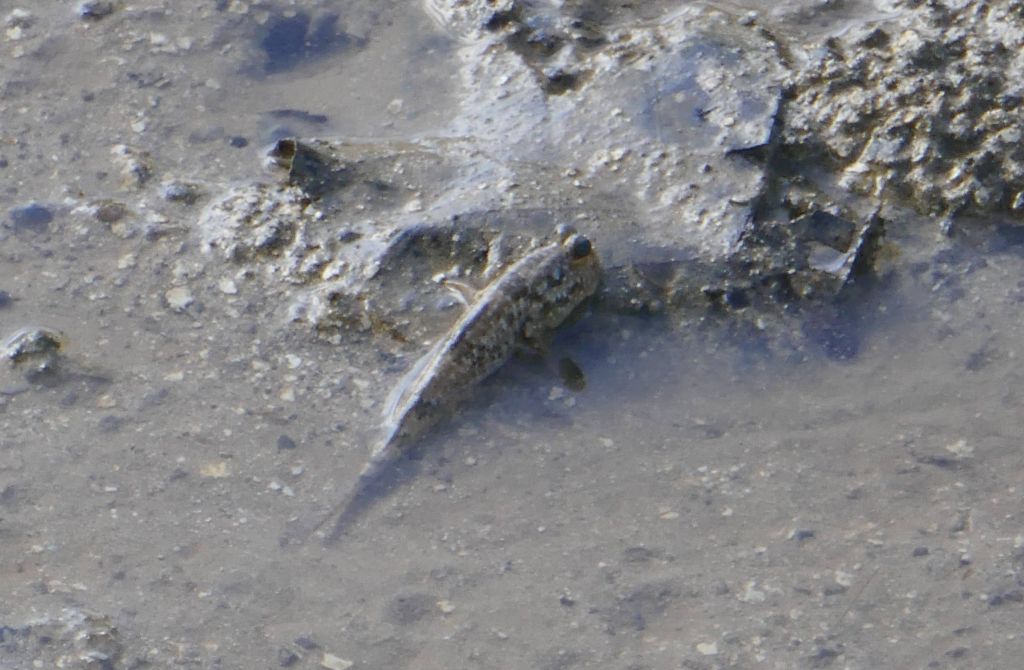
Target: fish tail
column 353, row 504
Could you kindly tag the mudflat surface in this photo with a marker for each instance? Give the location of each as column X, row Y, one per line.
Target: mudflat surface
column 700, row 503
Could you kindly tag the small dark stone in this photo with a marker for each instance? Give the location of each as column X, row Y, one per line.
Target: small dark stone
column 286, row 658
column 179, row 191
column 957, row 652
column 802, row 534
column 919, row 551
column 572, row 376
column 31, row 218
column 110, row 211
column 5, row 299
column 285, row 442
column 306, row 643
column 94, row 10
column 566, row 600
column 238, row 142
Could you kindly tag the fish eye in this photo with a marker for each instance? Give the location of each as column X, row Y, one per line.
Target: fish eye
column 579, row 247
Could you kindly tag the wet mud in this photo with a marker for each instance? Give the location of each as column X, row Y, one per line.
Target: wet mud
column 784, row 433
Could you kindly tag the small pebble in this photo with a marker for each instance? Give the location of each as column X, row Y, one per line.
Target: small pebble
column 110, row 211
column 215, row 470
column 332, row 662
column 5, row 300
column 179, row 298
column 238, row 142
column 32, row 343
column 183, row 192
column 285, row 442
column 707, row 648
column 31, row 218
column 960, row 449
column 94, row 10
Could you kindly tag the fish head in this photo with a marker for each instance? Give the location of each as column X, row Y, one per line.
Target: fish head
column 577, row 274
column 583, row 263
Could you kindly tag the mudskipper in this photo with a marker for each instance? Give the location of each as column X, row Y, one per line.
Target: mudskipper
column 518, row 309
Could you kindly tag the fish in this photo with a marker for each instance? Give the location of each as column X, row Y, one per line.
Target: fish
column 517, row 310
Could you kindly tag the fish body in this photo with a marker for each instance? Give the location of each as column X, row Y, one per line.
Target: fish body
column 530, row 298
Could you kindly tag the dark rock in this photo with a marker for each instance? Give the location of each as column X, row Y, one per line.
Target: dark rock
column 94, row 10
column 238, row 142
column 183, row 192
column 572, row 375
column 306, row 643
column 919, row 551
column 5, row 299
column 31, row 218
column 110, row 211
column 285, row 442
column 35, row 350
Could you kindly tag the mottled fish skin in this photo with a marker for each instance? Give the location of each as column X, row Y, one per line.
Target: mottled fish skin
column 532, row 297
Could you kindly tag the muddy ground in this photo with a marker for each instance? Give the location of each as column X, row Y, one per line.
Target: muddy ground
column 704, row 501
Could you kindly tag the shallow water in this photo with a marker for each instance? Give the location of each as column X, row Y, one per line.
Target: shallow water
column 699, row 504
